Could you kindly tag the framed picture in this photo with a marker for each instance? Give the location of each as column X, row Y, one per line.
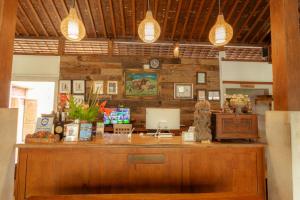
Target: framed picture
column 71, row 132
column 112, row 87
column 201, row 77
column 98, row 87
column 183, row 91
column 214, row 95
column 85, row 132
column 78, row 99
column 65, row 86
column 141, row 84
column 201, row 95
column 78, row 86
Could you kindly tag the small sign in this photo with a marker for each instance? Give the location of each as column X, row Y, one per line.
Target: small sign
column 44, row 124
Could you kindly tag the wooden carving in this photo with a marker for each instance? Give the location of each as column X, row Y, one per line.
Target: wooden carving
column 202, row 121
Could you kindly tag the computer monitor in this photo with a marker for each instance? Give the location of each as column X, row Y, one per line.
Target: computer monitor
column 163, row 118
column 117, row 116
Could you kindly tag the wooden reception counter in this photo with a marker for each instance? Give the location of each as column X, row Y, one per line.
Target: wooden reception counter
column 144, row 164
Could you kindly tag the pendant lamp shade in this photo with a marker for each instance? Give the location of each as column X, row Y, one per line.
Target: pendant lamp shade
column 149, row 29
column 221, row 33
column 72, row 27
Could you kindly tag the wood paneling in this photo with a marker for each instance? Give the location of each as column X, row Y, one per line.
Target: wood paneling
column 119, row 19
column 103, row 169
column 113, row 68
column 8, row 9
column 285, row 54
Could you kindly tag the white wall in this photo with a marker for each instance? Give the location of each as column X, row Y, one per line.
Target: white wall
column 247, row 72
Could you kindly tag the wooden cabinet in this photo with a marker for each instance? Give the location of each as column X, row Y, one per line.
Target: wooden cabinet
column 132, row 169
column 232, row 126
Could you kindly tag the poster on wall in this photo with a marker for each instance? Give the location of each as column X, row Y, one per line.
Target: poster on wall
column 141, row 84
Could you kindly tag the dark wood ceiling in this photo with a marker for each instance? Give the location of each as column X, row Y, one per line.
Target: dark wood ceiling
column 180, row 20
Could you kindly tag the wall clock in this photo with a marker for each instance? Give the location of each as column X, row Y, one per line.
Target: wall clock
column 154, row 63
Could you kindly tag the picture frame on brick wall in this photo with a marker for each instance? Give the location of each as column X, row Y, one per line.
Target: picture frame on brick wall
column 201, row 95
column 183, row 91
column 78, row 86
column 112, row 87
column 65, row 86
column 201, row 77
column 213, row 95
column 98, row 87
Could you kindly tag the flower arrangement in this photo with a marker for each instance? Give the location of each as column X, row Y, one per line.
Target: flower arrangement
column 238, row 102
column 88, row 110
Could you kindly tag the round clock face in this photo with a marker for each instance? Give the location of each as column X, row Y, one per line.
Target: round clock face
column 58, row 129
column 154, row 63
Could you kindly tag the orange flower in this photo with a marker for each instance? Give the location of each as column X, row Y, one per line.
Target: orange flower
column 102, row 108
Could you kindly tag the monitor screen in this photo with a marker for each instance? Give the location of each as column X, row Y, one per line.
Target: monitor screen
column 163, row 118
column 117, row 116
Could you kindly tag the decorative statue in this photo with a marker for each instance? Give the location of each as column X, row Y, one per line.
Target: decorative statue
column 202, row 121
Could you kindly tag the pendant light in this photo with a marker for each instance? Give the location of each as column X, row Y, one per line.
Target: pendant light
column 72, row 27
column 221, row 33
column 149, row 29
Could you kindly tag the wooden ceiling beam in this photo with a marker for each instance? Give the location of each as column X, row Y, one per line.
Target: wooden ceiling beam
column 187, row 17
column 261, row 28
column 65, row 8
column 91, row 17
column 199, row 11
column 122, row 18
column 155, row 8
column 245, row 5
column 266, row 8
column 233, row 8
column 38, row 18
column 112, row 18
column 176, row 19
column 133, row 18
column 265, row 35
column 27, row 19
column 102, row 18
column 165, row 20
column 55, row 11
column 22, row 27
column 208, row 15
column 48, row 17
column 248, row 18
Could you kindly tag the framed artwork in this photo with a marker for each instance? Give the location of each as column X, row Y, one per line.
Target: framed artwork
column 201, row 77
column 85, row 132
column 214, row 95
column 71, row 132
column 78, row 99
column 141, row 84
column 65, row 86
column 78, row 86
column 112, row 87
column 201, row 95
column 183, row 91
column 98, row 87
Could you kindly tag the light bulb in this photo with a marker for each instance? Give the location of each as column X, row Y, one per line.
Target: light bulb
column 149, row 31
column 220, row 34
column 73, row 29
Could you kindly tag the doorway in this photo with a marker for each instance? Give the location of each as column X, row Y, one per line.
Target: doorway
column 32, row 100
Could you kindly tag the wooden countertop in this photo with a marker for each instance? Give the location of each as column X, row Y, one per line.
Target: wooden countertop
column 111, row 140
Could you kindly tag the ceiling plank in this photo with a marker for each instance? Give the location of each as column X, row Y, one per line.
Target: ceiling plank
column 187, row 19
column 22, row 27
column 27, row 19
column 233, row 8
column 207, row 18
column 248, row 19
column 91, row 17
column 102, row 18
column 256, row 22
column 176, row 18
column 66, row 10
column 155, row 8
column 246, row 4
column 165, row 20
column 48, row 17
column 133, row 18
column 122, row 18
column 265, row 35
column 196, row 18
column 112, row 18
column 38, row 18
column 261, row 28
column 55, row 10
